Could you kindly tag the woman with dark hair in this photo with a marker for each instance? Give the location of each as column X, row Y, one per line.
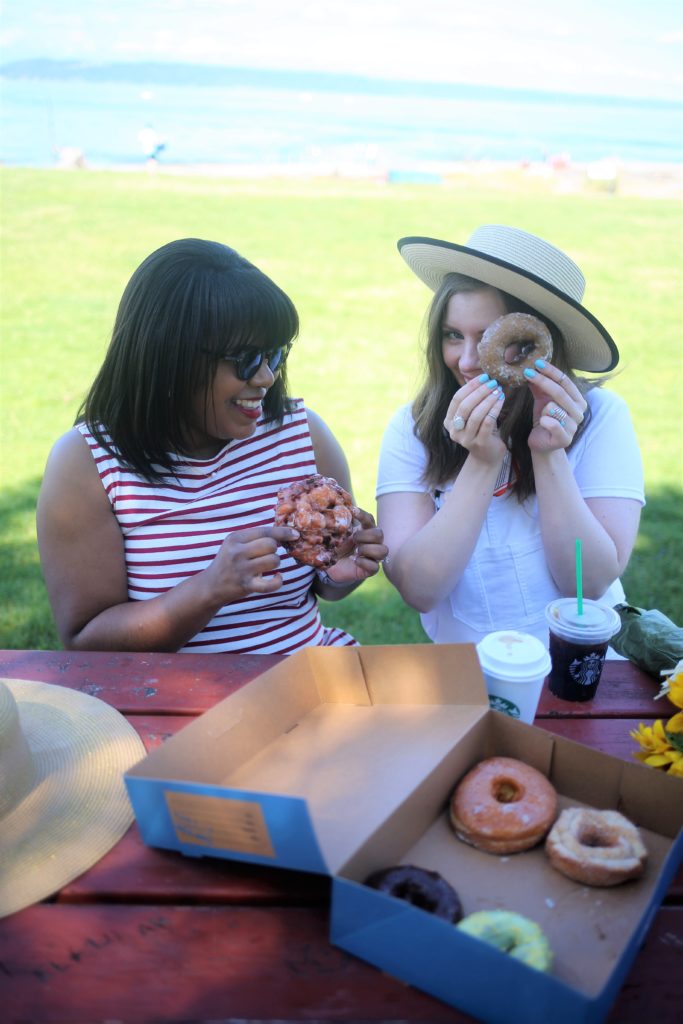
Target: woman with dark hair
column 156, row 514
column 483, row 487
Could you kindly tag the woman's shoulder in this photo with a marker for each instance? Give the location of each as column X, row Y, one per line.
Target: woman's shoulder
column 606, row 405
column 402, row 420
column 601, row 397
column 72, row 445
column 70, row 462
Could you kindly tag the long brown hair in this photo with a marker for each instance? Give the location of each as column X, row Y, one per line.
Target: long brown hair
column 445, row 458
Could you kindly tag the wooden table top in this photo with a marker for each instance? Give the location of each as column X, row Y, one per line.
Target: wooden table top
column 148, row 934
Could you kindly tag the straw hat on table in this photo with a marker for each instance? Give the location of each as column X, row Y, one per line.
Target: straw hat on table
column 63, row 802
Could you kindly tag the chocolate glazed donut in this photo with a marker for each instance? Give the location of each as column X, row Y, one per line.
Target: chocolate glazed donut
column 422, row 888
column 524, row 338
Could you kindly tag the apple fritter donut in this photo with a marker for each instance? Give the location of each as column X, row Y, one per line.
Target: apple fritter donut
column 596, row 847
column 325, row 516
column 529, row 338
column 503, row 806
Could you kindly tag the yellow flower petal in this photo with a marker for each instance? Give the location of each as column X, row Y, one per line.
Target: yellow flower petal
column 675, row 692
column 658, row 730
column 657, row 760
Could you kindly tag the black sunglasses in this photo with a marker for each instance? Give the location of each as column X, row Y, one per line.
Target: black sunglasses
column 248, row 363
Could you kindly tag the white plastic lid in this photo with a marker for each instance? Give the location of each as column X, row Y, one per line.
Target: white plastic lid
column 597, row 622
column 513, row 656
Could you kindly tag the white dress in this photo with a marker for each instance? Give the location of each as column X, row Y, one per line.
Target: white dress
column 507, row 583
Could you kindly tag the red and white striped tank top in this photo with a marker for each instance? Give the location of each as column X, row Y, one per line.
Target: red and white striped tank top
column 173, row 529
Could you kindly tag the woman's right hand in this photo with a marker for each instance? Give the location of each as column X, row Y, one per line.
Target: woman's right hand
column 247, row 562
column 475, row 408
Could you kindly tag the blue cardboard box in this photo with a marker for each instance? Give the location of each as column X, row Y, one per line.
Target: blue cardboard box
column 342, row 760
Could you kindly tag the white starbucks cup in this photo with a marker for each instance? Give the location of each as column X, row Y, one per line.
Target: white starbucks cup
column 514, row 666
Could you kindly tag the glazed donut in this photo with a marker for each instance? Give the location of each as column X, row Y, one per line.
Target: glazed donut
column 531, row 340
column 503, row 806
column 596, row 847
column 325, row 516
column 422, row 888
column 512, row 933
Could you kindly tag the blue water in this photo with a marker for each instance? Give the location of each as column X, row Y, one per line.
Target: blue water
column 260, row 124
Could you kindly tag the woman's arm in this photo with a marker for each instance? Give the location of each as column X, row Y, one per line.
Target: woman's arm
column 82, row 555
column 430, row 550
column 607, row 527
column 370, row 549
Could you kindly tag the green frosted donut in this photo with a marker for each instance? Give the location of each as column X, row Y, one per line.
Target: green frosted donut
column 512, row 934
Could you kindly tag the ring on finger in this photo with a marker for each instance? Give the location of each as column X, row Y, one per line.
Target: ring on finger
column 458, row 423
column 491, row 416
column 558, row 414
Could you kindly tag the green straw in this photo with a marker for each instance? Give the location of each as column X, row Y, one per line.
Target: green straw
column 579, row 578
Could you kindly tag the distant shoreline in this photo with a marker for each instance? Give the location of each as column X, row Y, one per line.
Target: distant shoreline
column 651, row 180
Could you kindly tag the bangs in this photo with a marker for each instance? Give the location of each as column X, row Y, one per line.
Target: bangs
column 256, row 315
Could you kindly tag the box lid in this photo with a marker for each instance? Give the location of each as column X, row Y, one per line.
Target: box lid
column 303, row 763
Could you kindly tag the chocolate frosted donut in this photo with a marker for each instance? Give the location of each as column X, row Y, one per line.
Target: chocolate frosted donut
column 528, row 338
column 325, row 516
column 422, row 888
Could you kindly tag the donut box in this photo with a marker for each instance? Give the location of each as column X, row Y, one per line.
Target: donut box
column 341, row 761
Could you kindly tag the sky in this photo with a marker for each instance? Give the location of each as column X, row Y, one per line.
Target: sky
column 609, row 47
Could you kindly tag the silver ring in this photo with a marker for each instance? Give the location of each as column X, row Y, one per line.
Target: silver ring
column 458, row 423
column 558, row 414
column 490, row 416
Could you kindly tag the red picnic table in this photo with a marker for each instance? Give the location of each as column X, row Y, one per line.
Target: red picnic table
column 148, row 934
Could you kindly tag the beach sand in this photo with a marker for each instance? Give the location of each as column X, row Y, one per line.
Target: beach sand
column 610, row 176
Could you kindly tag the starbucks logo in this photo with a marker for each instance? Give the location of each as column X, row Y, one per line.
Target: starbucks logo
column 506, row 706
column 586, row 671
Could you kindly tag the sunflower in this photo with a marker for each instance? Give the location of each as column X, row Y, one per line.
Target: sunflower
column 661, row 744
column 672, row 687
column 655, row 746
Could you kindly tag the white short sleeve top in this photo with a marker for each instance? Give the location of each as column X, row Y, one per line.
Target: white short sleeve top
column 507, row 583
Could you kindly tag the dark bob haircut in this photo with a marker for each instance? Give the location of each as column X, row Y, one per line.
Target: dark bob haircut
column 189, row 303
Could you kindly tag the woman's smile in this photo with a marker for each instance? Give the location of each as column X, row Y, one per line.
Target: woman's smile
column 249, row 407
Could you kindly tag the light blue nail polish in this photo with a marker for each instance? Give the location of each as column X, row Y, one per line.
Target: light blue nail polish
column 483, row 378
column 529, row 373
column 540, row 363
column 501, row 396
column 492, row 384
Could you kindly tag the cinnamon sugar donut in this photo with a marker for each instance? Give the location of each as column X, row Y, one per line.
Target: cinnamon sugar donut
column 530, row 337
column 596, row 847
column 503, row 806
column 325, row 516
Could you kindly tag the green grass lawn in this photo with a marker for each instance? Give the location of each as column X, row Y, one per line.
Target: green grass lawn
column 71, row 241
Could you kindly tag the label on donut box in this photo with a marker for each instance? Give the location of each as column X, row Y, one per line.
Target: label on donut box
column 342, row 761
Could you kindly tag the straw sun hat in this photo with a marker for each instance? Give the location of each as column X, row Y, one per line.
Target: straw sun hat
column 63, row 802
column 530, row 269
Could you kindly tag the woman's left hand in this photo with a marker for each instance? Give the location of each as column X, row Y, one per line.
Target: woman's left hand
column 558, row 410
column 369, row 551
